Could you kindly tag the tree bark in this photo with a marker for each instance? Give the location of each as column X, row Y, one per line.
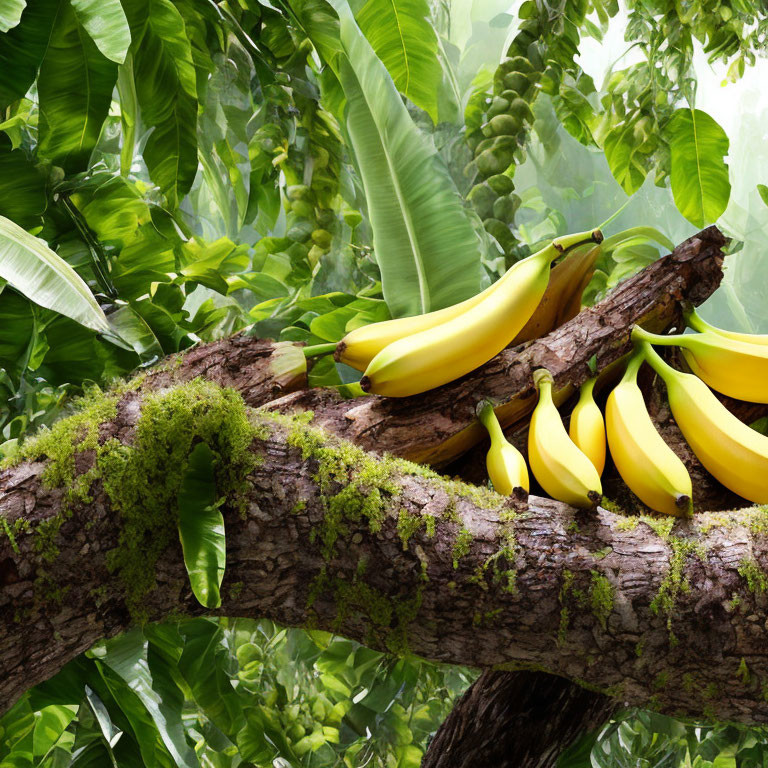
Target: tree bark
column 516, row 720
column 672, row 621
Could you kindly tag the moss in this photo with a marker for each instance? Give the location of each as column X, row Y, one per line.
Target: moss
column 639, row 648
column 601, row 595
column 60, row 444
column 409, row 523
column 573, row 527
column 235, row 590
column 750, row 571
column 461, row 545
column 711, row 691
column 734, row 602
column 565, row 618
column 675, row 581
column 486, row 619
column 12, row 530
column 299, row 507
column 601, row 553
column 660, row 681
column 611, row 506
column 687, row 682
column 743, row 671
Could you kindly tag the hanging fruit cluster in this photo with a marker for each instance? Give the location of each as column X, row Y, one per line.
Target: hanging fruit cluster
column 499, row 123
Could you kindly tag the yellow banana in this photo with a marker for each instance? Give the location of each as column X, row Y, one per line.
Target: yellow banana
column 730, row 450
column 505, row 464
column 561, row 468
column 587, row 428
column 361, row 345
column 650, row 468
column 441, row 354
column 735, row 368
column 698, row 323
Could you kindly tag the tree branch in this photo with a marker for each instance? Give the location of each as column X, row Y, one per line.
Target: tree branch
column 438, row 426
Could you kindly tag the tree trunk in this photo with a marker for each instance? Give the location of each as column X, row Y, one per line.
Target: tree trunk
column 516, row 720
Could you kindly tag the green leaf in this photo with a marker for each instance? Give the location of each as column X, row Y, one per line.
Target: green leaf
column 10, row 14
column 23, row 47
column 425, row 245
column 763, row 190
column 50, row 723
column 75, row 89
column 23, row 197
column 164, row 76
column 699, row 176
column 105, row 22
column 149, row 678
column 203, row 667
column 402, row 36
column 201, row 527
column 31, row 267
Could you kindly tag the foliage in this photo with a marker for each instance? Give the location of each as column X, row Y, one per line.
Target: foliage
column 227, row 693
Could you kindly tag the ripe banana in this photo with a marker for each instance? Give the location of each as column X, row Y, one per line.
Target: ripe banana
column 562, row 299
column 650, row 468
column 587, row 428
column 730, row 450
column 561, row 468
column 361, row 345
column 441, row 354
column 505, row 464
column 735, row 368
column 698, row 323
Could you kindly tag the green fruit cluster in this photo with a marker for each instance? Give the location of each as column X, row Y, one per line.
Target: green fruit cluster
column 495, row 144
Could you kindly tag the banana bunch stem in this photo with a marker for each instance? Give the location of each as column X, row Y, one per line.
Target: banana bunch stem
column 319, row 349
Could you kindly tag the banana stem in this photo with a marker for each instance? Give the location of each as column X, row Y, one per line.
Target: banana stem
column 489, row 420
column 693, row 320
column 587, row 387
column 319, row 349
column 566, row 242
column 641, row 334
column 654, row 359
column 633, row 365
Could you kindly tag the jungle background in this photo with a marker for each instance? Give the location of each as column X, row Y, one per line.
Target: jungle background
column 201, row 166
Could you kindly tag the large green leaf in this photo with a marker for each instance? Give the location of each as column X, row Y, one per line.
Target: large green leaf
column 75, row 89
column 201, row 527
column 105, row 22
column 31, row 267
column 700, row 184
column 10, row 13
column 425, row 246
column 131, row 659
column 23, row 47
column 23, row 195
column 202, row 665
column 164, row 76
column 402, row 35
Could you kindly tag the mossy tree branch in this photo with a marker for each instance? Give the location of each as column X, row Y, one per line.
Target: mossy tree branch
column 657, row 612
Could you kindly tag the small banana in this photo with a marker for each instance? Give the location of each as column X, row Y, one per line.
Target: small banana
column 698, row 323
column 587, row 428
column 650, row 468
column 446, row 352
column 561, row 468
column 735, row 368
column 730, row 450
column 361, row 345
column 505, row 464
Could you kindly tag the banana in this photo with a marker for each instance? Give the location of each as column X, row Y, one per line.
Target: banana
column 561, row 468
column 698, row 323
column 730, row 450
column 562, row 299
column 587, row 428
column 361, row 345
column 650, row 468
column 505, row 464
column 735, row 368
column 441, row 354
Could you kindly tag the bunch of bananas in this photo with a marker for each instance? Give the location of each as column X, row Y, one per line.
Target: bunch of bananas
column 568, row 466
column 410, row 355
